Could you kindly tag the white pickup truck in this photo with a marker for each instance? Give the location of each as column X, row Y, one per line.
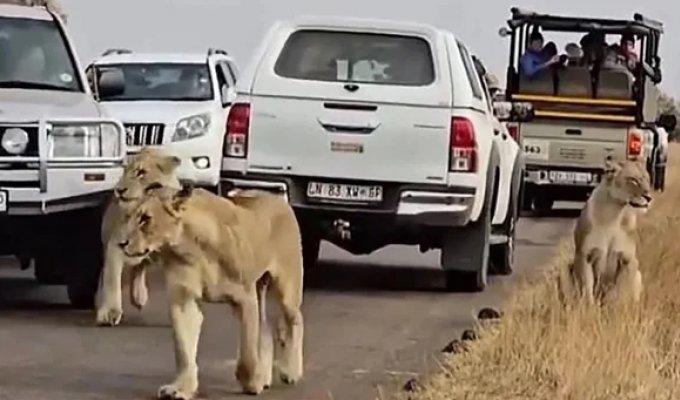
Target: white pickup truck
column 378, row 133
column 59, row 155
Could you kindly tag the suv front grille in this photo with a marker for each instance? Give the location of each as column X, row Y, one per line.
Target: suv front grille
column 144, row 134
column 31, row 147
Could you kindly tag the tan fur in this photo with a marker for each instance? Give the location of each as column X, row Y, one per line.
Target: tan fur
column 605, row 266
column 230, row 250
column 146, row 168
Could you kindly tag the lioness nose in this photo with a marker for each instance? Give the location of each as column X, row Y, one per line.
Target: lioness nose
column 123, row 244
column 121, row 191
column 647, row 197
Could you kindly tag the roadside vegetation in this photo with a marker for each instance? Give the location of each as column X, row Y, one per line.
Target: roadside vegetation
column 542, row 350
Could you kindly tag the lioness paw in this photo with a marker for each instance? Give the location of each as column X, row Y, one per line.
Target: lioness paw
column 171, row 392
column 109, row 316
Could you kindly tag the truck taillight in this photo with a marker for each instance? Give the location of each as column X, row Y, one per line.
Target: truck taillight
column 513, row 130
column 463, row 156
column 238, row 127
column 634, row 143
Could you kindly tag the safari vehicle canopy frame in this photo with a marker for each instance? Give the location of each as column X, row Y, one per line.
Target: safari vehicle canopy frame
column 523, row 22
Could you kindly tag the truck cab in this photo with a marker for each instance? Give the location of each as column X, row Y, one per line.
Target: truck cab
column 60, row 155
column 589, row 104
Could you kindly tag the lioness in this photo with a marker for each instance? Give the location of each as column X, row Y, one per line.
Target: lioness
column 605, row 264
column 225, row 250
column 143, row 169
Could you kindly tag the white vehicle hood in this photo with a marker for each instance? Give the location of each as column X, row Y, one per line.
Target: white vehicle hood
column 154, row 111
column 30, row 105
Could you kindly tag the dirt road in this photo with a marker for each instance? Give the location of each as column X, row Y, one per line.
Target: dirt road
column 371, row 324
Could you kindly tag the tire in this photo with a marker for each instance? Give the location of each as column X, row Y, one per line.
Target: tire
column 48, row 271
column 86, row 263
column 465, row 251
column 311, row 244
column 502, row 255
column 526, row 198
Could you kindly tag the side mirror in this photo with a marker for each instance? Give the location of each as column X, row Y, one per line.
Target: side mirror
column 507, row 111
column 668, row 122
column 111, row 83
column 504, row 32
column 228, row 95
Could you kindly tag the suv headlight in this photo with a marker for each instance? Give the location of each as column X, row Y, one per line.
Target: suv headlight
column 73, row 141
column 191, row 127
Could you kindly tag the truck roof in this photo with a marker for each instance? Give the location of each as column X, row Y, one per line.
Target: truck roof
column 171, row 58
column 364, row 24
column 28, row 12
column 638, row 24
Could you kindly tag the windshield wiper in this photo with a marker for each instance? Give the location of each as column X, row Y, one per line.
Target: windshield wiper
column 16, row 84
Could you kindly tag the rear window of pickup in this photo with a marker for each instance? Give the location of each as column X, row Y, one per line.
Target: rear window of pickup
column 337, row 56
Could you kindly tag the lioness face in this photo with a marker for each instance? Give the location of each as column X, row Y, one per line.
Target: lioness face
column 628, row 181
column 143, row 169
column 155, row 222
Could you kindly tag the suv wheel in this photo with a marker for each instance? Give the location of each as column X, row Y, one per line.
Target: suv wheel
column 311, row 244
column 85, row 263
column 465, row 254
column 502, row 255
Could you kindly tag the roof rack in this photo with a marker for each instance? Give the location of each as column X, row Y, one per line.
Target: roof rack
column 638, row 24
column 213, row 51
column 116, row 51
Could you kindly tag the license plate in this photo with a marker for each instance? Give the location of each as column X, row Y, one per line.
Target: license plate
column 4, row 199
column 343, row 192
column 570, row 177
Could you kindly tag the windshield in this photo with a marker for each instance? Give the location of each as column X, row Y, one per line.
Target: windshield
column 171, row 82
column 34, row 55
column 358, row 57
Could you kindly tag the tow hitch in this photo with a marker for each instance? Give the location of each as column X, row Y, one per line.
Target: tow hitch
column 342, row 229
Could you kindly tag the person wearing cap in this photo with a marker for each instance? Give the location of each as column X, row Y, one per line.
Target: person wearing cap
column 534, row 59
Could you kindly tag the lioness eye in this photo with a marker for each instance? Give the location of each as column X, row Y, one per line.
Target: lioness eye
column 141, row 173
column 144, row 219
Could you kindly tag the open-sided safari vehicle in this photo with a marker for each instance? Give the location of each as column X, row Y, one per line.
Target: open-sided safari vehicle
column 586, row 107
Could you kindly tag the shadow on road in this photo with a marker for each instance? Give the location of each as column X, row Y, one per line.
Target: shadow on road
column 362, row 277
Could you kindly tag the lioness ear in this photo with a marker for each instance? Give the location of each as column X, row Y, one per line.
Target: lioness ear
column 611, row 166
column 153, row 187
column 168, row 164
column 181, row 197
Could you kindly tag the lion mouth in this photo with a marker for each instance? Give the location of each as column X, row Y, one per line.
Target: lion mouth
column 141, row 254
column 639, row 203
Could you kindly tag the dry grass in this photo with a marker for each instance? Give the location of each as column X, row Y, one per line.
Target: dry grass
column 542, row 350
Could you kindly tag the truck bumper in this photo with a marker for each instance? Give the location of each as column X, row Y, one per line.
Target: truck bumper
column 409, row 204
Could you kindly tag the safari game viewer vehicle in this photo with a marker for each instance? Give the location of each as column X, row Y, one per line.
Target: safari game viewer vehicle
column 372, row 151
column 584, row 113
column 60, row 157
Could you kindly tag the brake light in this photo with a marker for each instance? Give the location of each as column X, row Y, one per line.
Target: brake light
column 634, row 143
column 513, row 130
column 463, row 156
column 238, row 127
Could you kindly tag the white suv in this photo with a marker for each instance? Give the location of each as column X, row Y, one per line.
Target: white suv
column 378, row 133
column 175, row 101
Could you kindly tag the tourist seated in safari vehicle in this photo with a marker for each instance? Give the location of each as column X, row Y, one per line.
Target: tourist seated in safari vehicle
column 598, row 98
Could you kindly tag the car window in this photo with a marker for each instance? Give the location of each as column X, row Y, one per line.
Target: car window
column 336, row 56
column 34, row 54
column 470, row 71
column 162, row 81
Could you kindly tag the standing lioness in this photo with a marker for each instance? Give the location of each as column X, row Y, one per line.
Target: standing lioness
column 605, row 263
column 217, row 249
column 147, row 167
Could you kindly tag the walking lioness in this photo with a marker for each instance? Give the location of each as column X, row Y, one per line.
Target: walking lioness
column 605, row 264
column 142, row 169
column 224, row 250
